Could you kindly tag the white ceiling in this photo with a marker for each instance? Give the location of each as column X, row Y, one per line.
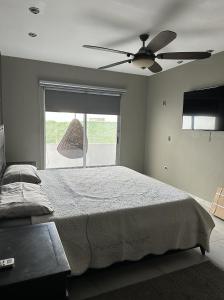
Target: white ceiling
column 64, row 26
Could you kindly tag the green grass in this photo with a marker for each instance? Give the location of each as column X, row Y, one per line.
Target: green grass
column 97, row 132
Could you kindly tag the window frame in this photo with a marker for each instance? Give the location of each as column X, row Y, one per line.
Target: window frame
column 43, row 85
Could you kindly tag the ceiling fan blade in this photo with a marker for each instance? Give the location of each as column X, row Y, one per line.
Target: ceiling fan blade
column 108, row 50
column 184, row 55
column 155, row 68
column 115, row 64
column 161, row 40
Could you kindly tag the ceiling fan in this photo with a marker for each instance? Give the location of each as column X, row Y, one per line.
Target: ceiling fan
column 145, row 57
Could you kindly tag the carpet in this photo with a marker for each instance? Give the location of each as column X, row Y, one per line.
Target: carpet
column 204, row 281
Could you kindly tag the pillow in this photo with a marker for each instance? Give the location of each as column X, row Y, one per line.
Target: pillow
column 21, row 173
column 21, row 199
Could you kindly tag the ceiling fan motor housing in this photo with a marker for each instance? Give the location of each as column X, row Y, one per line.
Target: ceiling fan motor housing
column 144, row 58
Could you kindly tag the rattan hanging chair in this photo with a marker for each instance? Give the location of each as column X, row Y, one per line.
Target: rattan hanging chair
column 71, row 145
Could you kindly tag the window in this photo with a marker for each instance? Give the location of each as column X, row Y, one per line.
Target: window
column 80, row 140
column 82, row 125
column 204, row 122
column 199, row 122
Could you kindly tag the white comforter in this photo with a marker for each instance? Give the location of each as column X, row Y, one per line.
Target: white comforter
column 110, row 214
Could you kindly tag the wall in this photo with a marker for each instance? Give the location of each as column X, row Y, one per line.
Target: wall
column 22, row 115
column 194, row 164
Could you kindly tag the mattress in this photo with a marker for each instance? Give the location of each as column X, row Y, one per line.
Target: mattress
column 111, row 214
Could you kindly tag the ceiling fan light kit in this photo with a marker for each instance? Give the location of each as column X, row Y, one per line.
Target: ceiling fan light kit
column 143, row 62
column 145, row 57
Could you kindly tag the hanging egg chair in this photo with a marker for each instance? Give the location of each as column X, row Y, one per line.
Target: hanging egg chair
column 71, row 144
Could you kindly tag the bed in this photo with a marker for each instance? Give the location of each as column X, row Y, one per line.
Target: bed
column 112, row 214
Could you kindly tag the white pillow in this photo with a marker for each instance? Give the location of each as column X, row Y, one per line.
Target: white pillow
column 21, row 173
column 21, row 199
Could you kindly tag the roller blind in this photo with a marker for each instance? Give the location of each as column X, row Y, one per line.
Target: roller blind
column 82, row 102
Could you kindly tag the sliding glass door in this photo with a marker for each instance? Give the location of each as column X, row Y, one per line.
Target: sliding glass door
column 102, row 139
column 80, row 140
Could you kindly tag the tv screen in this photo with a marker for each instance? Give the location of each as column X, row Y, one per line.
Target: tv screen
column 204, row 109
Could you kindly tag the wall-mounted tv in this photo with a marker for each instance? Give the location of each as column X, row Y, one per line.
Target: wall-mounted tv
column 204, row 109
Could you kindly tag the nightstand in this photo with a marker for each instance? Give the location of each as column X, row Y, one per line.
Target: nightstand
column 41, row 267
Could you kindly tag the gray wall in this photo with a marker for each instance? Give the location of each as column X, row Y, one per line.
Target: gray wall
column 22, row 115
column 194, row 164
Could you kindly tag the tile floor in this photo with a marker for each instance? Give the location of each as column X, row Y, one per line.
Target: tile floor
column 96, row 282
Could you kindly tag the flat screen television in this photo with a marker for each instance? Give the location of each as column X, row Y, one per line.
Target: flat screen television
column 204, row 109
